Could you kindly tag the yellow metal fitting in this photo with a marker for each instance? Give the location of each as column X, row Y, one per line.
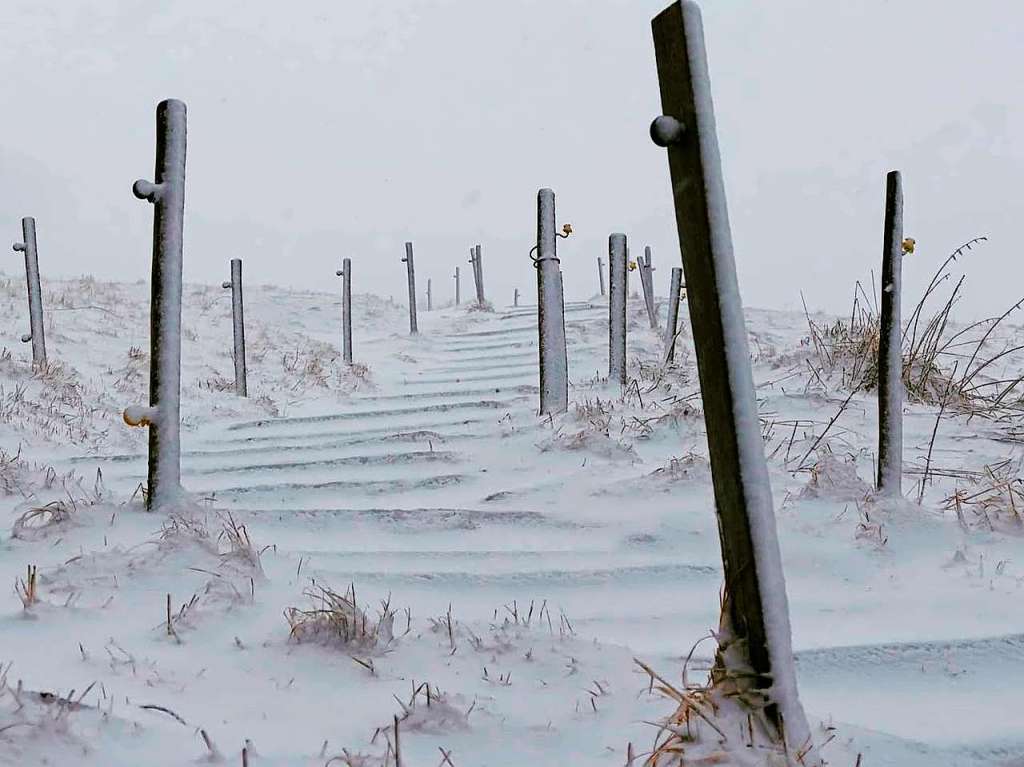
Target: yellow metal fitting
column 908, row 245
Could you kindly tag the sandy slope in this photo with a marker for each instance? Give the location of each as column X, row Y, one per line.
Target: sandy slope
column 560, row 548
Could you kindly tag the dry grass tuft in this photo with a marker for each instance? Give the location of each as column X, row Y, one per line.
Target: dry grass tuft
column 994, row 499
column 337, row 619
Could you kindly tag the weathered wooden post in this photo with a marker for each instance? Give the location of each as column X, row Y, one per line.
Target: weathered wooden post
column 673, row 314
column 478, row 263
column 476, row 276
column 600, row 274
column 890, row 344
column 617, row 308
column 458, row 297
column 430, row 296
column 755, row 619
column 647, row 283
column 554, row 365
column 238, row 326
column 163, row 416
column 35, row 293
column 515, row 297
column 411, row 274
column 346, row 310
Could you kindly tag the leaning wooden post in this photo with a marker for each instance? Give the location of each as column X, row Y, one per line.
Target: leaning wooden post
column 600, row 274
column 35, row 293
column 617, row 308
column 479, row 264
column 673, row 313
column 346, row 310
column 890, row 344
column 755, row 619
column 430, row 296
column 238, row 326
column 163, row 416
column 411, row 274
column 458, row 297
column 647, row 283
column 554, row 366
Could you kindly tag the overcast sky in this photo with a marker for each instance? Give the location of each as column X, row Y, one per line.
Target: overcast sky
column 320, row 129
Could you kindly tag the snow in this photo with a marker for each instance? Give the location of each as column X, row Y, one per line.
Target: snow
column 558, row 550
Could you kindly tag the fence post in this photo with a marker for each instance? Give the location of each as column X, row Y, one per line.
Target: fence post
column 238, row 326
column 600, row 274
column 35, row 293
column 411, row 274
column 647, row 283
column 163, row 416
column 756, row 611
column 430, row 296
column 673, row 313
column 554, row 366
column 890, row 344
column 479, row 265
column 458, row 297
column 346, row 310
column 515, row 297
column 617, row 308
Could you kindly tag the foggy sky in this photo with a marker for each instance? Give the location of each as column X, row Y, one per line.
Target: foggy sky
column 320, row 130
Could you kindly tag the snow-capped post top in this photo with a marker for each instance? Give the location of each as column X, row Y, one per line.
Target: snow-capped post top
column 667, row 131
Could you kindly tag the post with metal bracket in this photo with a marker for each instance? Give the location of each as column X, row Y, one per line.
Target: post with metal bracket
column 890, row 344
column 458, row 297
column 600, row 273
column 163, row 416
column 35, row 293
column 430, row 296
column 238, row 326
column 673, row 314
column 411, row 274
column 346, row 310
column 647, row 283
column 755, row 618
column 554, row 364
column 617, row 308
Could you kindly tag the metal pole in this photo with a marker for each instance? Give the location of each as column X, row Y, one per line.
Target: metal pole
column 600, row 273
column 346, row 310
column 458, row 297
column 35, row 293
column 673, row 314
column 647, row 283
column 479, row 277
column 163, row 416
column 238, row 325
column 554, row 365
column 411, row 273
column 617, row 308
column 756, row 610
column 430, row 297
column 890, row 354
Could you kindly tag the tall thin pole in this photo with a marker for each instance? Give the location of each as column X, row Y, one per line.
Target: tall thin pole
column 479, row 261
column 600, row 273
column 673, row 313
column 346, row 310
column 430, row 296
column 554, row 365
column 515, row 297
column 167, row 194
column 411, row 274
column 35, row 293
column 890, row 354
column 458, row 297
column 617, row 308
column 238, row 326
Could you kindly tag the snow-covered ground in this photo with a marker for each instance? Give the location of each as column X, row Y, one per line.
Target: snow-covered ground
column 525, row 561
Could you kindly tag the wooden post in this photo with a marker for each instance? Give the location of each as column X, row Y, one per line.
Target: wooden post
column 238, row 326
column 35, row 292
column 647, row 283
column 410, row 271
column 458, row 297
column 756, row 616
column 673, row 314
column 430, row 296
column 617, row 272
column 478, row 264
column 346, row 310
column 600, row 274
column 554, row 366
column 515, row 297
column 890, row 344
column 163, row 416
